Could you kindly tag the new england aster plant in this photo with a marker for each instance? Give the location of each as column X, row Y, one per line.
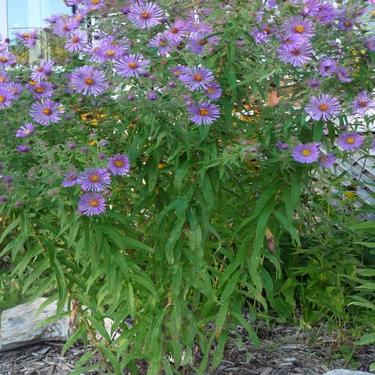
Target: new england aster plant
column 144, row 171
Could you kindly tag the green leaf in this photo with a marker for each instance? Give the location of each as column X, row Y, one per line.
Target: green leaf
column 221, row 317
column 251, row 332
column 73, row 339
column 367, row 339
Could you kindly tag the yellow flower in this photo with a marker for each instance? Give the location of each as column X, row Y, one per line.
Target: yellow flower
column 349, row 194
column 93, row 143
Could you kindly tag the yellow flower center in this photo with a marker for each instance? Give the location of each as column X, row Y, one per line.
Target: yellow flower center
column 110, row 52
column 132, row 65
column 95, row 2
column 39, row 89
column 76, row 39
column 323, row 107
column 210, row 90
column 32, row 83
column 174, row 30
column 3, row 59
column 2, row 98
column 299, row 29
column 350, row 140
column 347, row 23
column 198, row 77
column 362, row 103
column 146, row 15
column 89, row 81
column 306, row 152
column 94, row 203
column 94, row 178
column 47, row 111
column 119, row 163
column 204, row 111
column 2, row 79
column 163, row 43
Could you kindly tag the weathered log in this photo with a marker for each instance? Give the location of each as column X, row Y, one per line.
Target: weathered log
column 25, row 325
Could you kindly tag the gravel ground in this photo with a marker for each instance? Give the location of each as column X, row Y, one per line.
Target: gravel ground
column 284, row 351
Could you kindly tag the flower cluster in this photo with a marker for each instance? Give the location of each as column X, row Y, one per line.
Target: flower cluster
column 153, row 56
column 95, row 183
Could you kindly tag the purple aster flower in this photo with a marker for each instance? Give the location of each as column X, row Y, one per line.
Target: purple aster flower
column 346, row 23
column 91, row 204
column 46, row 112
column 213, row 90
column 296, row 56
column 4, row 78
column 314, row 83
column 370, row 44
column 178, row 30
column 326, row 13
column 25, row 130
column 178, row 70
column 70, row 179
column 199, row 42
column 6, row 97
column 197, row 78
column 23, row 148
column 119, row 165
column 132, row 66
column 6, row 59
column 260, row 37
column 204, row 113
column 28, row 38
column 84, row 150
column 88, row 81
column 327, row 161
column 3, row 199
column 350, row 141
column 109, row 50
column 71, row 145
column 302, row 27
column 42, row 71
column 64, row 26
column 152, row 95
column 163, row 42
column 343, row 74
column 306, row 153
column 327, row 67
column 282, row 145
column 103, row 143
column 14, row 88
column 362, row 103
column 76, row 41
column 94, row 4
column 41, row 90
column 291, row 41
column 94, row 179
column 145, row 14
column 323, row 107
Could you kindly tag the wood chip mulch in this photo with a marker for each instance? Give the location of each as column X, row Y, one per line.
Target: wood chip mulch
column 284, row 351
